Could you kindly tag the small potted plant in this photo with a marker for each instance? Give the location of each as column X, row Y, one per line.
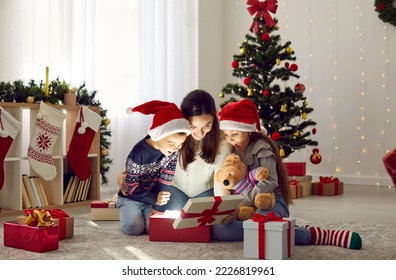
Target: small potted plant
column 70, row 97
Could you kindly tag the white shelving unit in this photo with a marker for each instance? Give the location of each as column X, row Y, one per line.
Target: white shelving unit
column 16, row 162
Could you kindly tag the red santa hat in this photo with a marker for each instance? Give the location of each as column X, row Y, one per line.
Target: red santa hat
column 241, row 115
column 168, row 119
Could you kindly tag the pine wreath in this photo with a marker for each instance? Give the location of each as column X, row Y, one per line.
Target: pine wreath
column 386, row 11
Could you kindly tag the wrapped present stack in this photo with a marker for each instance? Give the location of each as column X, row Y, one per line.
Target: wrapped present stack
column 300, row 183
column 104, row 210
column 268, row 237
column 328, row 186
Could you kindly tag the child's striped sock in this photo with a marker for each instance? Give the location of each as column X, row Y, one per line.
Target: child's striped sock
column 340, row 238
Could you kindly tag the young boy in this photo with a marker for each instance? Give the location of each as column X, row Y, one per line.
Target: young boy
column 150, row 164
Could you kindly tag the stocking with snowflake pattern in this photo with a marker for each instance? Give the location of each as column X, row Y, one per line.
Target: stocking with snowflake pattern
column 9, row 129
column 47, row 128
column 87, row 124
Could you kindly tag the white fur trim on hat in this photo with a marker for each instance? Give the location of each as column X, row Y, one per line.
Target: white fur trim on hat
column 235, row 125
column 170, row 127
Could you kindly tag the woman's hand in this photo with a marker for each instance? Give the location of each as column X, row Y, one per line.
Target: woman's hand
column 163, row 198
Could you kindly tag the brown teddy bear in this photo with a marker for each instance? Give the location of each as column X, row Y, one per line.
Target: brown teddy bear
column 234, row 177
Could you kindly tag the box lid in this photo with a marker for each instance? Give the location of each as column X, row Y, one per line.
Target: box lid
column 203, row 211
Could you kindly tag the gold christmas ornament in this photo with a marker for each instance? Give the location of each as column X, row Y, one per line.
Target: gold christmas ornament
column 304, row 116
column 289, row 50
column 296, row 134
column 283, row 108
column 221, row 95
column 106, row 121
column 277, row 27
column 30, row 99
column 278, row 61
column 250, row 92
column 282, row 152
column 243, row 50
column 104, row 152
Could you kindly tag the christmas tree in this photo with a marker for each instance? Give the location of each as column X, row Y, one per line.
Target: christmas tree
column 264, row 66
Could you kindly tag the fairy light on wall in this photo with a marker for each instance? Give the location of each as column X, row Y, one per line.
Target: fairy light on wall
column 333, row 90
column 362, row 93
column 384, row 137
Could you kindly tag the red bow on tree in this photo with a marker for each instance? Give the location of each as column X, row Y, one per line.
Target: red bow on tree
column 262, row 9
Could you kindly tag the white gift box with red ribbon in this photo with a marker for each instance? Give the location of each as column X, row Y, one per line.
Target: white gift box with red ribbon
column 268, row 237
column 204, row 211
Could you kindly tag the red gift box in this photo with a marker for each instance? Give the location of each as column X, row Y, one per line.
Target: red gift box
column 389, row 161
column 31, row 238
column 295, row 168
column 62, row 219
column 161, row 229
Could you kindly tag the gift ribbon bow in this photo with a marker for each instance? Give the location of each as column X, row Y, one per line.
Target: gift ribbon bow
column 37, row 217
column 270, row 217
column 328, row 180
column 262, row 9
column 206, row 216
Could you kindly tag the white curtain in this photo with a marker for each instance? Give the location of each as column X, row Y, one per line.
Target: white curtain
column 130, row 51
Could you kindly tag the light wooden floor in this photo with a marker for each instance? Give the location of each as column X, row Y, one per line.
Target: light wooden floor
column 364, row 204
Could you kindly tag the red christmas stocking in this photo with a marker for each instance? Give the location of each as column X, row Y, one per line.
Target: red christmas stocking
column 390, row 164
column 87, row 125
column 9, row 129
column 48, row 123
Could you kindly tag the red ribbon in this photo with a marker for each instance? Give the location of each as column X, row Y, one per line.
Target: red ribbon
column 270, row 217
column 206, row 216
column 328, row 180
column 262, row 9
column 295, row 183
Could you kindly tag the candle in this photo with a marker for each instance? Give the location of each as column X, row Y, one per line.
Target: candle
column 46, row 81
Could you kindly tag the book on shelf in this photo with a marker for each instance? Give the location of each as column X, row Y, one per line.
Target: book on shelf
column 40, row 189
column 86, row 187
column 67, row 181
column 36, row 192
column 76, row 190
column 29, row 190
column 25, row 198
column 68, row 197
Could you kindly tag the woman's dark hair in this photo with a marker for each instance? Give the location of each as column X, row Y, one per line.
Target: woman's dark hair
column 283, row 180
column 196, row 103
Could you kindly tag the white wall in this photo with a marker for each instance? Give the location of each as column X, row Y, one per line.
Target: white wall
column 346, row 58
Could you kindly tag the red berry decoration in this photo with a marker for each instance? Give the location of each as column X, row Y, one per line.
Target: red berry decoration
column 266, row 92
column 246, row 81
column 287, row 65
column 235, row 64
column 314, row 131
column 275, row 136
column 293, row 67
column 299, row 88
column 315, row 158
column 265, row 37
column 254, row 66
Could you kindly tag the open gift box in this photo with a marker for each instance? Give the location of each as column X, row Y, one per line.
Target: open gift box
column 161, row 229
column 204, row 211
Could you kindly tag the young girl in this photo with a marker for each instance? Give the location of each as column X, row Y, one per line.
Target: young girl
column 241, row 126
column 151, row 165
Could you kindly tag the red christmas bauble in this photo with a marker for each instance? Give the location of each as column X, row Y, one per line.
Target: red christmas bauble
column 293, row 67
column 275, row 136
column 315, row 158
column 254, row 66
column 266, row 92
column 265, row 37
column 299, row 88
column 246, row 81
column 235, row 64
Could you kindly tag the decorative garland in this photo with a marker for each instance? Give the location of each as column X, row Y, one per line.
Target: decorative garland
column 17, row 91
column 386, row 11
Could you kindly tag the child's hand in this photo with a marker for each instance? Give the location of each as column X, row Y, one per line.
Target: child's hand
column 231, row 217
column 121, row 182
column 163, row 198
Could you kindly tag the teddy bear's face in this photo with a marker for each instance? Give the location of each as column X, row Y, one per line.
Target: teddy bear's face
column 231, row 172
